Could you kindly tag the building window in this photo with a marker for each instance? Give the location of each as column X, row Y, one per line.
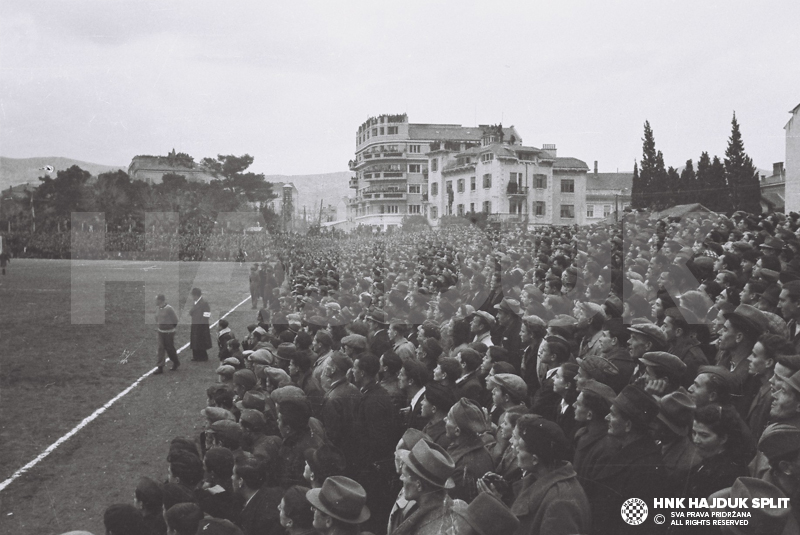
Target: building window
column 381, row 130
column 414, row 209
column 472, row 183
column 540, row 181
column 606, row 210
column 434, row 164
column 516, row 177
column 434, row 212
column 487, row 207
column 434, row 189
column 472, row 207
column 392, row 209
column 374, row 131
column 539, row 208
column 414, row 168
column 589, row 210
column 413, row 148
column 487, row 180
column 414, row 188
column 461, row 185
column 391, row 130
column 568, row 211
column 460, row 209
column 567, row 185
column 487, row 157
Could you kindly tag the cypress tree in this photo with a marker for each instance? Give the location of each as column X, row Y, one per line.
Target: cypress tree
column 652, row 174
column 672, row 195
column 704, row 194
column 719, row 192
column 740, row 173
column 687, row 190
column 637, row 190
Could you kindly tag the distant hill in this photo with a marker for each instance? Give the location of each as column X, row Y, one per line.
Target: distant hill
column 16, row 171
column 328, row 187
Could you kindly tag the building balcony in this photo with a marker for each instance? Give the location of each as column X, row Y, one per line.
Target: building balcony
column 385, row 175
column 513, row 190
column 353, row 182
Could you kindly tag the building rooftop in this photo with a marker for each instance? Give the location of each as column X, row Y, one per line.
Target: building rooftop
column 609, row 181
column 569, row 163
column 454, row 132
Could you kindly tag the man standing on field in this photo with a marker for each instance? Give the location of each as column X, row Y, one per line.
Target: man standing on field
column 201, row 334
column 167, row 321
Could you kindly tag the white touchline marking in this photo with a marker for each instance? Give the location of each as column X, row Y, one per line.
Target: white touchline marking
column 89, row 419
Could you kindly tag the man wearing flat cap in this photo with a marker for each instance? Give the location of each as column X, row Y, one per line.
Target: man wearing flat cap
column 632, row 465
column 426, row 476
column 614, row 348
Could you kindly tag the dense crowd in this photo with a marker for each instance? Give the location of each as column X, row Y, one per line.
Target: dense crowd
column 519, row 382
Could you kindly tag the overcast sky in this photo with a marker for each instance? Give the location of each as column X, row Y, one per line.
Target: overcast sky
column 289, row 83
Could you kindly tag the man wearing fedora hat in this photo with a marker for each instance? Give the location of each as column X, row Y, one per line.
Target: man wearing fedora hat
column 487, row 515
column 426, row 476
column 672, row 430
column 339, row 506
column 631, row 465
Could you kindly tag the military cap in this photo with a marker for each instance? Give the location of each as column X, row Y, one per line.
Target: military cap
column 468, row 416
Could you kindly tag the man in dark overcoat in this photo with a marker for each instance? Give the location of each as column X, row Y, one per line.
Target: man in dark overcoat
column 200, row 313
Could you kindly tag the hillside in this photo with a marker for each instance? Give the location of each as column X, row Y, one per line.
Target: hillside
column 328, row 187
column 15, row 171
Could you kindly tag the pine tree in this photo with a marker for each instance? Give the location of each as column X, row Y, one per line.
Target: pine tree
column 652, row 175
column 719, row 192
column 687, row 185
column 740, row 173
column 637, row 189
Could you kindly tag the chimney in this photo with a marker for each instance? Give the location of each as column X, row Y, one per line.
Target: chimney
column 550, row 149
column 595, row 167
column 777, row 169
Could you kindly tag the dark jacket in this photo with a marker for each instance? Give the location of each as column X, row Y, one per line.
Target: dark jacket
column 260, row 515
column 379, row 342
column 200, row 333
column 375, row 426
column 622, row 472
column 713, row 474
column 588, row 447
column 338, row 415
column 757, row 414
column 470, row 388
column 438, row 433
column 688, row 350
column 554, row 504
column 472, row 462
column 510, row 340
column 291, row 458
column 221, row 502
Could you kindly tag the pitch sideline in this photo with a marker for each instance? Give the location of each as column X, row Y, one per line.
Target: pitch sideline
column 89, row 419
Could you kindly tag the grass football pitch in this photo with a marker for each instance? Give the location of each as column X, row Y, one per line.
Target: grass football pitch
column 55, row 371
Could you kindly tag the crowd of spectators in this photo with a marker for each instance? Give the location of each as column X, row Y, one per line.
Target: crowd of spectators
column 517, row 382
